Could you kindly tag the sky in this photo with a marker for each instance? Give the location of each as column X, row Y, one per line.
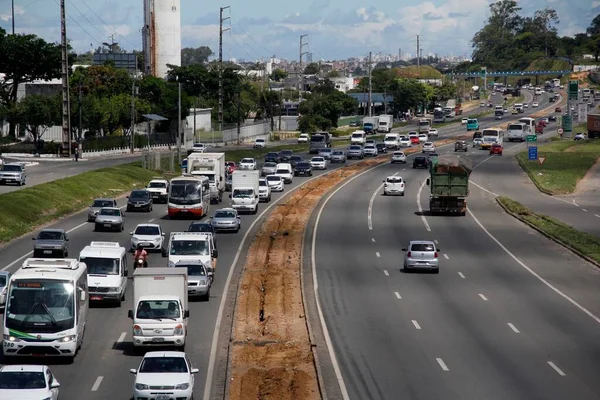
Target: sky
column 259, row 29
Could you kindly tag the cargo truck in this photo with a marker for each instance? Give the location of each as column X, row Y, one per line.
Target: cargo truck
column 160, row 307
column 370, row 125
column 424, row 125
column 385, row 123
column 593, row 126
column 449, row 184
column 211, row 165
column 244, row 191
column 318, row 141
column 439, row 116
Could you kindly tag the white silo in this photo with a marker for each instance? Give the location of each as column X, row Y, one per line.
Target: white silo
column 161, row 36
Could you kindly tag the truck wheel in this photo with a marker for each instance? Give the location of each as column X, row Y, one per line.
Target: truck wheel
column 119, row 301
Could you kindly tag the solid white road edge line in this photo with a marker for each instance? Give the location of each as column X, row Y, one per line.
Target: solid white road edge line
column 442, row 364
column 416, row 324
column 513, row 328
column 535, row 274
column 421, row 208
column 386, row 273
column 558, row 370
column 482, row 297
column 97, row 384
column 122, row 337
column 398, row 295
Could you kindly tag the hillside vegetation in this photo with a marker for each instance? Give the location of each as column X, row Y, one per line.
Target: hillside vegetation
column 422, row 72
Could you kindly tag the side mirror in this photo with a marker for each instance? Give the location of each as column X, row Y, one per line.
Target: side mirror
column 403, row 249
column 82, row 296
column 427, row 182
column 162, row 234
column 186, row 314
column 195, row 370
column 133, row 371
column 54, row 385
column 131, row 233
column 33, row 238
column 230, row 196
column 130, row 315
column 383, row 181
column 215, row 253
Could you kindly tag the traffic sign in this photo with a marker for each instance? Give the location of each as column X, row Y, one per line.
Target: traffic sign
column 560, row 131
column 542, row 159
column 567, row 123
column 573, row 90
column 533, row 155
column 531, row 138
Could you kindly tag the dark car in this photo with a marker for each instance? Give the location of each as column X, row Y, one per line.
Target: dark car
column 273, row 157
column 552, row 118
column 51, row 242
column 228, row 182
column 477, row 135
column 285, row 155
column 381, row 149
column 205, row 227
column 420, row 162
column 461, row 145
column 295, row 160
column 139, row 200
column 303, row 168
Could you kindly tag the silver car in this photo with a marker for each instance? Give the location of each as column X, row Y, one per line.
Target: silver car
column 226, row 219
column 326, row 153
column 97, row 205
column 370, row 150
column 200, row 278
column 4, row 279
column 268, row 168
column 13, row 173
column 422, row 254
column 51, row 242
column 110, row 218
column 338, row 156
column 355, row 151
column 150, row 236
column 276, row 183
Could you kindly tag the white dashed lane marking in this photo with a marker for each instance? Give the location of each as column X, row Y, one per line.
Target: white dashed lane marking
column 554, row 367
column 398, row 295
column 515, row 330
column 442, row 364
column 386, row 273
column 483, row 297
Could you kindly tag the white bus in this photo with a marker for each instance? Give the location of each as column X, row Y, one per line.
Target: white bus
column 516, row 132
column 530, row 125
column 491, row 136
column 46, row 308
column 189, row 196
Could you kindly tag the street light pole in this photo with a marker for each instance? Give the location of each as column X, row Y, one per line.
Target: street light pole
column 179, row 117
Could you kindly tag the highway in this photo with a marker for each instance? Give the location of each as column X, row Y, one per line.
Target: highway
column 510, row 316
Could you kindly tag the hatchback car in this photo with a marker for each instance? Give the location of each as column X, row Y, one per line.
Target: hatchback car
column 405, row 141
column 393, row 185
column 149, row 236
column 110, row 218
column 420, row 162
column 247, row 163
column 370, row 150
column 199, row 278
column 4, row 279
column 273, row 157
column 51, row 242
column 496, row 149
column 28, row 382
column 558, row 110
column 338, row 156
column 318, row 163
column 381, row 148
column 422, row 254
column 268, row 168
column 535, row 104
column 139, row 200
column 303, row 138
column 428, row 147
column 286, row 155
column 423, row 137
column 355, row 151
column 164, row 374
column 226, row 219
column 414, row 139
column 97, row 205
column 260, row 143
column 275, row 182
column 326, row 153
column 303, row 168
column 434, row 132
column 461, row 145
column 477, row 142
column 464, row 121
column 398, row 157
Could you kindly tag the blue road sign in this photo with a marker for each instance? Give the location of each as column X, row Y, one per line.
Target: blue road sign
column 533, row 153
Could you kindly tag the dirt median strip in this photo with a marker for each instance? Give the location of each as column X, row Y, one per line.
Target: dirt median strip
column 271, row 354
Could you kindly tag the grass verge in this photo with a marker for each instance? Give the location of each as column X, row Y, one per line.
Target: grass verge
column 29, row 208
column 583, row 243
column 566, row 162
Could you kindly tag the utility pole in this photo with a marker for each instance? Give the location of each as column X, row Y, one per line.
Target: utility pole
column 13, row 16
column 418, row 59
column 301, row 72
column 239, row 112
column 262, row 77
column 370, row 84
column 179, row 118
column 66, row 100
column 221, row 30
column 80, row 112
column 132, row 129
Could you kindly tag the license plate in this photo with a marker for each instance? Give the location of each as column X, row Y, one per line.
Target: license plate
column 163, row 397
column 184, row 210
column 158, row 339
column 137, row 205
column 47, row 251
column 107, row 225
column 95, row 297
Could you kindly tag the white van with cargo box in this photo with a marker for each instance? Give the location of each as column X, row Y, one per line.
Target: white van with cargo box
column 516, row 132
column 392, row 141
column 107, row 271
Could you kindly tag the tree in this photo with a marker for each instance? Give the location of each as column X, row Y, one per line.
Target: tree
column 327, row 102
column 546, row 19
column 594, row 46
column 313, row 123
column 333, row 74
column 198, row 55
column 408, row 94
column 445, row 92
column 594, row 28
column 312, row 69
column 278, row 74
column 37, row 113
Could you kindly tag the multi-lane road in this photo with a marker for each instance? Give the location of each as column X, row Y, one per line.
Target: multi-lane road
column 510, row 316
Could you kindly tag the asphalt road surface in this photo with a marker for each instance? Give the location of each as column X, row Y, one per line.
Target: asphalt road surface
column 511, row 315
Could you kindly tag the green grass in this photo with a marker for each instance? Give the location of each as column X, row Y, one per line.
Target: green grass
column 24, row 210
column 566, row 163
column 208, row 136
column 585, row 243
column 422, row 72
column 347, row 120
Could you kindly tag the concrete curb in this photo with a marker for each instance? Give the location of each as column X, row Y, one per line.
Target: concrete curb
column 547, row 235
column 531, row 177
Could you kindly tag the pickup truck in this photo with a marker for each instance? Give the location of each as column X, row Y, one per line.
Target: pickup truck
column 13, row 173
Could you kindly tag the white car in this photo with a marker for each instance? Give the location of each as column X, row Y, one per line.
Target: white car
column 428, row 147
column 275, row 182
column 433, row 132
column 247, row 163
column 398, row 156
column 579, row 136
column 28, row 382
column 405, row 141
column 393, row 185
column 303, row 138
column 198, row 148
column 150, row 236
column 535, row 104
column 159, row 190
column 264, row 190
column 525, row 105
column 260, row 143
column 423, row 137
column 318, row 163
column 370, row 150
column 477, row 142
column 164, row 375
column 464, row 121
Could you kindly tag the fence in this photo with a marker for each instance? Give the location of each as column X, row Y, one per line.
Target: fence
column 229, row 134
column 164, row 161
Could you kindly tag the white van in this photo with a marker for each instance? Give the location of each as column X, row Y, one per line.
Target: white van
column 285, row 171
column 392, row 141
column 107, row 271
column 358, row 137
column 519, row 107
column 516, row 132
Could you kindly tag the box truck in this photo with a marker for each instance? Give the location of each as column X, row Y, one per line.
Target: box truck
column 385, row 123
column 449, row 184
column 244, row 191
column 211, row 165
column 370, row 125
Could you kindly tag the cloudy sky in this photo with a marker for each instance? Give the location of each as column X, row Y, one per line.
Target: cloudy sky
column 337, row 29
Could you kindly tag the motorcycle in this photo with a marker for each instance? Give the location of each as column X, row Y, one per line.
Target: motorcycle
column 140, row 263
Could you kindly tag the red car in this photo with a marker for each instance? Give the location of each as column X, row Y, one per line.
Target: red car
column 539, row 129
column 230, row 166
column 558, row 109
column 496, row 149
column 414, row 140
column 542, row 123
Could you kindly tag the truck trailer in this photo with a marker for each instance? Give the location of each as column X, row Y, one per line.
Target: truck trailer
column 593, row 126
column 449, row 184
column 211, row 165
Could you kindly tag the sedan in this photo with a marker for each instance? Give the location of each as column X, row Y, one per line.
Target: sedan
column 318, row 163
column 226, row 219
column 428, row 147
column 28, row 382
column 260, row 143
column 303, row 138
column 50, row 242
column 264, row 191
column 558, row 110
column 393, row 185
column 275, row 182
column 247, row 164
column 204, row 227
column 110, row 218
column 285, row 155
column 338, row 156
column 295, row 160
column 552, row 118
column 405, row 141
column 97, row 205
column 140, row 200
column 326, row 153
column 268, row 168
column 398, row 156
column 464, row 121
column 355, row 151
column 273, row 157
column 370, row 150
column 149, row 236
column 421, row 254
column 433, row 132
column 171, row 370
column 381, row 148
column 477, row 142
column 303, row 168
column 535, row 104
column 414, row 139
column 423, row 137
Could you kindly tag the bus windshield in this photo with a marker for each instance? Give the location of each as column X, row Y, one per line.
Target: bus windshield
column 490, row 133
column 40, row 306
column 185, row 192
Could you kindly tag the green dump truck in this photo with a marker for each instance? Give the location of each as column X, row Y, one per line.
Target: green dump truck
column 449, row 184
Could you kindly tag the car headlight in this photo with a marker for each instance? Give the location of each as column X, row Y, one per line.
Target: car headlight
column 134, row 239
column 141, row 386
column 11, row 338
column 178, row 331
column 66, row 339
column 203, row 283
column 182, row 386
column 114, row 289
column 157, row 240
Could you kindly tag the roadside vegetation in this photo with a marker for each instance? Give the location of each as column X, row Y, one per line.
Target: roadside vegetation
column 566, row 162
column 585, row 243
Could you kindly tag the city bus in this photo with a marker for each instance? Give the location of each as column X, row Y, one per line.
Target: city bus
column 46, row 308
column 530, row 125
column 491, row 136
column 189, row 196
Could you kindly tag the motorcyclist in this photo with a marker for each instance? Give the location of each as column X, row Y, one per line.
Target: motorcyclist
column 141, row 253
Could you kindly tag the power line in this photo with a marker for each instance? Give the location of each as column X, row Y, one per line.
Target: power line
column 107, row 25
column 79, row 25
column 250, row 37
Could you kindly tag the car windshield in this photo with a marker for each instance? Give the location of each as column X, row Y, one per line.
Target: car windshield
column 189, row 248
column 357, row 135
column 269, row 165
column 243, row 193
column 201, row 227
column 394, row 179
column 282, row 171
column 101, row 265
column 11, row 168
column 50, row 235
column 303, row 164
column 318, row 159
column 420, row 159
column 354, row 147
column 160, row 185
column 103, row 203
column 224, row 214
column 337, row 153
column 22, row 380
column 472, row 121
column 111, row 212
column 369, row 146
column 286, row 152
column 193, row 270
column 317, row 138
column 173, row 365
column 428, row 144
column 247, row 161
column 138, row 194
column 398, row 154
column 262, row 182
column 325, row 151
column 260, row 140
column 158, row 309
column 147, row 230
column 421, row 247
column 273, row 178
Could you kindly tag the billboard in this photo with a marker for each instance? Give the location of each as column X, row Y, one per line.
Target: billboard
column 126, row 61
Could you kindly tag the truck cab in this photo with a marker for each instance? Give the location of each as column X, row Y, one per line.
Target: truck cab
column 190, row 246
